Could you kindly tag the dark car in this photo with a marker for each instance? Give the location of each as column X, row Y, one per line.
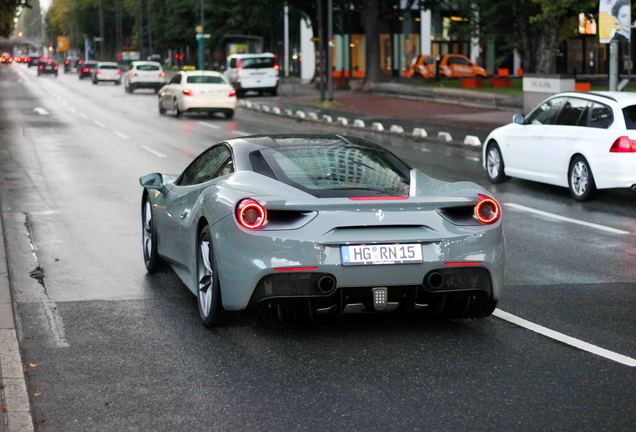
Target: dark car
column 71, row 64
column 32, row 59
column 86, row 69
column 47, row 65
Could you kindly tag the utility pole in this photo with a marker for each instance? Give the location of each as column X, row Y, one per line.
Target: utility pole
column 321, row 57
column 330, row 50
column 149, row 14
column 118, row 26
column 286, row 37
column 613, row 66
column 101, row 29
column 200, row 38
column 141, row 29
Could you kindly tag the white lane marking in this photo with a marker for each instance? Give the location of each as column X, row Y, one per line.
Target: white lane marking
column 121, row 135
column 41, row 111
column 565, row 219
column 153, row 151
column 425, row 150
column 569, row 340
column 100, row 124
column 472, row 158
column 240, row 132
column 209, row 125
column 84, row 116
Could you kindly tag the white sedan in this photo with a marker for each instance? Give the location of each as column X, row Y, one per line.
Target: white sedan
column 198, row 91
column 582, row 141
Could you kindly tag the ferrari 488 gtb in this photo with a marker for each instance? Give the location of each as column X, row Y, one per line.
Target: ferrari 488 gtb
column 324, row 225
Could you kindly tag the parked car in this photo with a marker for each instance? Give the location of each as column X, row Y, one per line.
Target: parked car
column 144, row 74
column 6, row 58
column 71, row 64
column 422, row 65
column 253, row 72
column 459, row 66
column 86, row 71
column 106, row 72
column 322, row 224
column 582, row 141
column 202, row 91
column 47, row 66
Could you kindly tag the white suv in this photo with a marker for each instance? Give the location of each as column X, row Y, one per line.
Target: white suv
column 106, row 71
column 253, row 72
column 144, row 74
column 582, row 141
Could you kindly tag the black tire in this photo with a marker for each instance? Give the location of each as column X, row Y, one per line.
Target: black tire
column 274, row 92
column 162, row 110
column 131, row 89
column 209, row 302
column 177, row 111
column 152, row 260
column 580, row 179
column 229, row 114
column 495, row 164
column 157, row 90
column 118, row 82
column 94, row 82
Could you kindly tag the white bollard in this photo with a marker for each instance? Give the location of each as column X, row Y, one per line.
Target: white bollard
column 357, row 123
column 327, row 118
column 312, row 116
column 343, row 121
column 266, row 108
column 377, row 126
column 301, row 114
column 444, row 136
column 472, row 140
column 248, row 104
column 419, row 133
column 288, row 112
column 396, row 129
column 276, row 110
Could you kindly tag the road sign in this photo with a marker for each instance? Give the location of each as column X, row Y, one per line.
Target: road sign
column 62, row 44
column 98, row 39
column 199, row 29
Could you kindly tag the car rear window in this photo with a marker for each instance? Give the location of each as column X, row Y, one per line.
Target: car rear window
column 147, row 67
column 257, row 62
column 108, row 67
column 630, row 117
column 330, row 171
column 205, row 79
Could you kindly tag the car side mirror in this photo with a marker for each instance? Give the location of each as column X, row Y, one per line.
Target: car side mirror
column 152, row 181
column 519, row 119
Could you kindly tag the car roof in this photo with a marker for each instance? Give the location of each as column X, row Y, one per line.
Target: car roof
column 622, row 99
column 267, row 54
column 201, row 72
column 144, row 62
column 108, row 63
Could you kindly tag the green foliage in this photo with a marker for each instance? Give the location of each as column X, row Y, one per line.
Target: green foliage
column 8, row 10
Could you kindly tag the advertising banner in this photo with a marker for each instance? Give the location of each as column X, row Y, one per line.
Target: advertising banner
column 614, row 20
column 62, row 44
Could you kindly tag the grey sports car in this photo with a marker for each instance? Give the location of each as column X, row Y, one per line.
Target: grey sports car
column 325, row 224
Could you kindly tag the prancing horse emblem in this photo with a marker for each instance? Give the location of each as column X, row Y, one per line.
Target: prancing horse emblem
column 380, row 215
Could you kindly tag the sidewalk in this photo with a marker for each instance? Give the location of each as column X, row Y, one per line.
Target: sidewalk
column 15, row 410
column 404, row 110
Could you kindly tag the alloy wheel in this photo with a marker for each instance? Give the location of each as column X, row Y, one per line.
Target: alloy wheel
column 579, row 178
column 147, row 231
column 493, row 163
column 205, row 278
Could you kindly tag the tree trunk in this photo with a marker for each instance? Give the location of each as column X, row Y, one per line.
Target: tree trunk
column 370, row 19
column 547, row 41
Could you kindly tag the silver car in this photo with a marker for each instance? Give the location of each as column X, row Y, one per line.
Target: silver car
column 325, row 225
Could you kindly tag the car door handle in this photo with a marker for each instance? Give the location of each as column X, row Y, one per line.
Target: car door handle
column 184, row 214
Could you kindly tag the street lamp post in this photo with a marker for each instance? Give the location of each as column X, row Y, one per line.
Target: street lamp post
column 200, row 38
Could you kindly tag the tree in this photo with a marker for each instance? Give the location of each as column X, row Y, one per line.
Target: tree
column 8, row 9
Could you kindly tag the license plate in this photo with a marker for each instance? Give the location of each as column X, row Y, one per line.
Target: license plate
column 49, row 68
column 381, row 254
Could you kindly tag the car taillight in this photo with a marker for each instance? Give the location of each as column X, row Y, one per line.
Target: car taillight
column 232, row 93
column 65, row 61
column 55, row 68
column 97, row 72
column 623, row 145
column 85, row 70
column 40, row 67
column 80, row 62
column 162, row 74
column 487, row 210
column 118, row 72
column 133, row 74
column 187, row 92
column 250, row 214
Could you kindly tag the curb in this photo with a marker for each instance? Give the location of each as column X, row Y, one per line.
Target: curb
column 14, row 397
column 470, row 142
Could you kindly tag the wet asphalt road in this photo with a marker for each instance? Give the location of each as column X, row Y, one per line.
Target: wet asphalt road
column 110, row 348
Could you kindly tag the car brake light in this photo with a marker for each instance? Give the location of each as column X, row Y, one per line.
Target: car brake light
column 232, row 93
column 133, row 74
column 487, row 210
column 55, row 68
column 85, row 70
column 118, row 72
column 66, row 61
column 80, row 62
column 97, row 72
column 250, row 214
column 187, row 92
column 40, row 67
column 623, row 145
column 162, row 74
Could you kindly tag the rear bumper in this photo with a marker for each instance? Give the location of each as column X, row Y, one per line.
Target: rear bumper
column 618, row 171
column 147, row 84
column 199, row 104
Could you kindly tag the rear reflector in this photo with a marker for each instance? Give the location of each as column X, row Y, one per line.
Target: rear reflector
column 462, row 263
column 623, row 145
column 133, row 74
column 383, row 198
column 187, row 92
column 294, row 269
column 232, row 93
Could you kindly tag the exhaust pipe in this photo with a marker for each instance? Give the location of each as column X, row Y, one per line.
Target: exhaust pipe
column 434, row 280
column 326, row 284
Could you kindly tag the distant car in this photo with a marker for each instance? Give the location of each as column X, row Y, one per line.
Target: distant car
column 253, row 72
column 17, row 59
column 459, row 66
column 423, row 66
column 322, row 224
column 71, row 64
column 582, row 141
column 198, row 91
column 144, row 74
column 32, row 59
column 47, row 66
column 106, row 72
column 86, row 69
column 6, row 58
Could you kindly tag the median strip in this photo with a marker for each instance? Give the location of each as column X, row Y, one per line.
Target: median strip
column 522, row 208
column 568, row 340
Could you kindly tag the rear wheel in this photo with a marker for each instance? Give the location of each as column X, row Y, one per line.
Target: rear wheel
column 208, row 289
column 494, row 164
column 175, row 107
column 229, row 114
column 162, row 110
column 152, row 261
column 580, row 179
